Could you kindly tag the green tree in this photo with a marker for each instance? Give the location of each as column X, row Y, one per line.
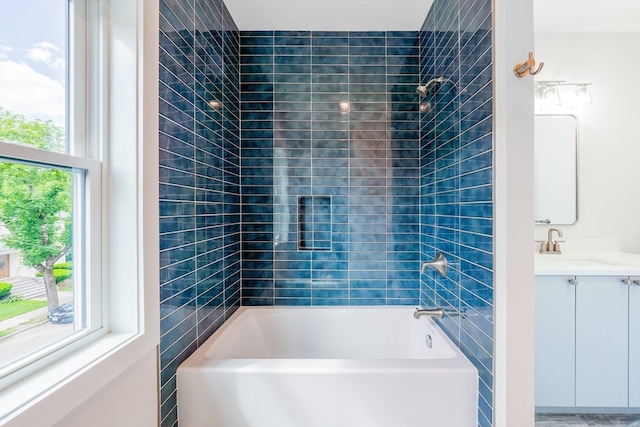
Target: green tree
column 35, row 201
column 45, row 135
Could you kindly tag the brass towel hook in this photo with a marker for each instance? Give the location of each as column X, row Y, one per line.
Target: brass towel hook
column 521, row 69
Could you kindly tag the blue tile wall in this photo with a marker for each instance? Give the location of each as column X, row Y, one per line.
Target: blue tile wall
column 324, row 116
column 199, row 181
column 330, row 114
column 456, row 196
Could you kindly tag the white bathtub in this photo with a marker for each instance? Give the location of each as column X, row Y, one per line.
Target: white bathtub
column 323, row 367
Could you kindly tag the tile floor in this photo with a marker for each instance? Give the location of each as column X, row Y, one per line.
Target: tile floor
column 587, row 420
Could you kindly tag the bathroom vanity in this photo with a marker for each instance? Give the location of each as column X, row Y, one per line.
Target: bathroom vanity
column 587, row 332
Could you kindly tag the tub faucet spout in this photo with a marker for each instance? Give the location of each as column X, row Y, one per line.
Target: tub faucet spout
column 432, row 312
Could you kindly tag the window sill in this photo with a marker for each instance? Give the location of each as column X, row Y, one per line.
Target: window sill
column 50, row 394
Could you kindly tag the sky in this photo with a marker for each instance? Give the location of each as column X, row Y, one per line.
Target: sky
column 32, row 58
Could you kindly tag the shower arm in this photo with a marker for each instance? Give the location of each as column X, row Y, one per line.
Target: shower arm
column 422, row 90
column 432, row 81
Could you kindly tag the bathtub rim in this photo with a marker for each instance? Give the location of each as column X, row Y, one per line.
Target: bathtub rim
column 199, row 360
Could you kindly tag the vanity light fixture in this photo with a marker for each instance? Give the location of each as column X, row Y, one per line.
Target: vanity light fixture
column 547, row 95
column 558, row 94
column 583, row 95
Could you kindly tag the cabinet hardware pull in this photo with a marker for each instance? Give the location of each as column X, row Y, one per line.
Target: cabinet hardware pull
column 573, row 280
column 636, row 282
column 626, row 281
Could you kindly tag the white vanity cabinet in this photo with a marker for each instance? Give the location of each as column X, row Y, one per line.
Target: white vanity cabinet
column 602, row 337
column 555, row 345
column 587, row 341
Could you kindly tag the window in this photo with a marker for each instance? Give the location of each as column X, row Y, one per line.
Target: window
column 78, row 129
column 46, row 181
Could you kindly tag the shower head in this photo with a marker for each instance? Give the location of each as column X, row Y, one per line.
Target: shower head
column 424, row 90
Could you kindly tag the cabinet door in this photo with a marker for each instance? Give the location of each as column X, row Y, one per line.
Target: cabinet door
column 602, row 328
column 634, row 342
column 555, row 341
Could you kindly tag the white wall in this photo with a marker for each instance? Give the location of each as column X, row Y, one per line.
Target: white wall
column 329, row 15
column 609, row 131
column 128, row 401
column 513, row 215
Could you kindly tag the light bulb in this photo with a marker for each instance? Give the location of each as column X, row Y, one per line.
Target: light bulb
column 583, row 96
column 547, row 97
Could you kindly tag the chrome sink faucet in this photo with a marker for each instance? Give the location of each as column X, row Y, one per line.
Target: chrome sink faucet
column 551, row 246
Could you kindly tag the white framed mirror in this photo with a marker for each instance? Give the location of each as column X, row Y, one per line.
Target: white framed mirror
column 556, row 169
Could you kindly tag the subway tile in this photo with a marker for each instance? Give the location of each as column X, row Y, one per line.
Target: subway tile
column 371, row 181
column 198, row 168
column 256, row 38
column 327, row 294
column 285, row 35
column 467, row 175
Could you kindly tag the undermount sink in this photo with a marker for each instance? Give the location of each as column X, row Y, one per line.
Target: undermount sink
column 588, row 263
column 559, row 259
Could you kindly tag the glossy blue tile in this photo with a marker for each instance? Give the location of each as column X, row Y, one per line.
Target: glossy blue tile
column 457, row 184
column 199, row 149
column 311, row 150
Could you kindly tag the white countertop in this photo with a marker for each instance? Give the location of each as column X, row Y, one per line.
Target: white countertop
column 588, row 263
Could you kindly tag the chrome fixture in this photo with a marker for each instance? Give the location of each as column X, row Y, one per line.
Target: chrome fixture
column 628, row 281
column 431, row 312
column 423, row 90
column 550, row 246
column 439, row 264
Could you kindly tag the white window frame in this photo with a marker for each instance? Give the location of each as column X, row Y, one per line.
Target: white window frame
column 82, row 123
column 122, row 77
column 86, row 233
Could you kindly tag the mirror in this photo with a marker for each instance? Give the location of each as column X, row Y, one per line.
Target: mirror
column 556, row 169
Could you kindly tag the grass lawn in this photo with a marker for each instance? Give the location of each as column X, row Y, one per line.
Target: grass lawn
column 6, row 332
column 15, row 308
column 66, row 286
